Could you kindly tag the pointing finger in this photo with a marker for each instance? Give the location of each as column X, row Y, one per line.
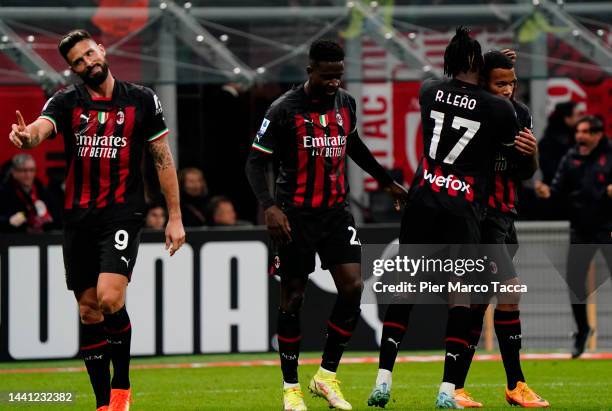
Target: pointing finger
column 20, row 120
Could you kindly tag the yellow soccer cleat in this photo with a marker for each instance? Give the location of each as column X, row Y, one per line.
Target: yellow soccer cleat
column 525, row 397
column 324, row 384
column 120, row 399
column 293, row 399
column 464, row 398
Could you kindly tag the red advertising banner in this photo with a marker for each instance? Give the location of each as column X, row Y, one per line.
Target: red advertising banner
column 407, row 136
column 29, row 100
column 594, row 98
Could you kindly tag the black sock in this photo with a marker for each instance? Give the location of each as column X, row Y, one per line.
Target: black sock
column 340, row 327
column 476, row 320
column 95, row 353
column 508, row 330
column 456, row 341
column 580, row 316
column 289, row 336
column 119, row 335
column 395, row 325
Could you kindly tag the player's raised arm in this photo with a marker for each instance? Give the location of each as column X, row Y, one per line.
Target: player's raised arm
column 168, row 182
column 31, row 135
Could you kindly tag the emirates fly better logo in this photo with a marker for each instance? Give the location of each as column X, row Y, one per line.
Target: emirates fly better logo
column 99, row 146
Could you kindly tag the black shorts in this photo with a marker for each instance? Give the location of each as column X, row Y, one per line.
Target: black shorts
column 501, row 244
column 91, row 250
column 499, row 229
column 329, row 233
column 427, row 225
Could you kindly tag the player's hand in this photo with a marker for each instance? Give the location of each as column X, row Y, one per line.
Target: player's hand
column 609, row 190
column 399, row 194
column 19, row 135
column 511, row 54
column 526, row 142
column 175, row 235
column 17, row 219
column 542, row 190
column 278, row 225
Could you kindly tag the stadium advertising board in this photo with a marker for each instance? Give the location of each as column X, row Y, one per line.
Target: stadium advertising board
column 214, row 296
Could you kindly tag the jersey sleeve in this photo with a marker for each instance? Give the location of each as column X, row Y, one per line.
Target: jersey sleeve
column 54, row 111
column 264, row 144
column 506, row 126
column 266, row 139
column 154, row 124
column 524, row 115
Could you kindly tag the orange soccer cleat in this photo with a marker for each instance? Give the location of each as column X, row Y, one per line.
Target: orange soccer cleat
column 120, row 400
column 525, row 397
column 464, row 398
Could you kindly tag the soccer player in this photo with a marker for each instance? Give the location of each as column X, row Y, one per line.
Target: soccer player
column 498, row 228
column 106, row 124
column 310, row 130
column 463, row 127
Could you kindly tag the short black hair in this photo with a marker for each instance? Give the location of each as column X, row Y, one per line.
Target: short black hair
column 495, row 59
column 565, row 109
column 325, row 50
column 595, row 123
column 70, row 39
column 463, row 54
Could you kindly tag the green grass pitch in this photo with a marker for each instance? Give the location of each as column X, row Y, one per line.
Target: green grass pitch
column 572, row 385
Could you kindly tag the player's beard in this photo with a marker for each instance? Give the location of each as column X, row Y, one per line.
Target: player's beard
column 94, row 80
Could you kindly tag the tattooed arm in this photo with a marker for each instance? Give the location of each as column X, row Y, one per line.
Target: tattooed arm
column 164, row 164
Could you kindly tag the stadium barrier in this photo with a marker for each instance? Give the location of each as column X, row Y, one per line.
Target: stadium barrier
column 215, row 296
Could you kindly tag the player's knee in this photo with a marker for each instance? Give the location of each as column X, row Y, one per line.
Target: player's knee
column 90, row 313
column 507, row 307
column 509, row 300
column 293, row 302
column 352, row 288
column 110, row 301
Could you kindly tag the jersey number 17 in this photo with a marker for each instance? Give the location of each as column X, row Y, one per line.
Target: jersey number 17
column 471, row 127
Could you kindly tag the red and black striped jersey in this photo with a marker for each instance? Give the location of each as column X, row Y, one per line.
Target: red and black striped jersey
column 310, row 140
column 104, row 141
column 503, row 193
column 463, row 127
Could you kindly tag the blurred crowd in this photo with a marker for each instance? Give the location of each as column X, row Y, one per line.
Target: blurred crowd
column 28, row 206
column 572, row 145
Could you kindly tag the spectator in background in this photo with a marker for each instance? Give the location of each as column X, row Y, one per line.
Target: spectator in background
column 221, row 212
column 25, row 205
column 194, row 197
column 156, row 217
column 584, row 181
column 558, row 138
column 228, row 137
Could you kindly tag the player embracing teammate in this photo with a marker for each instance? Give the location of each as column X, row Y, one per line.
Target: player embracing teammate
column 465, row 128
